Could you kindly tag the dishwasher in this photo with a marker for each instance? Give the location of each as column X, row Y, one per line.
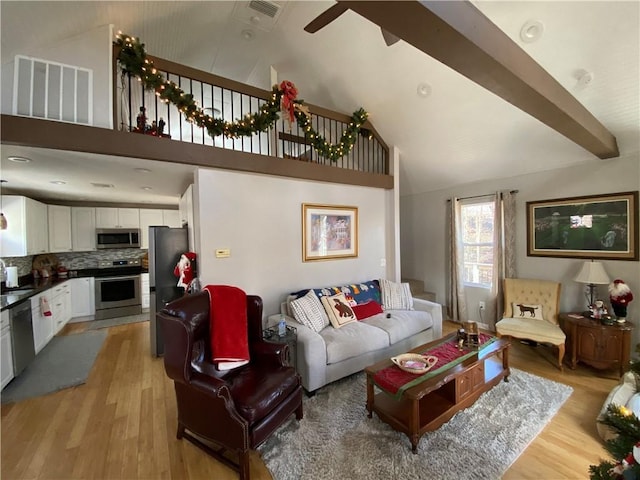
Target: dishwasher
column 21, row 336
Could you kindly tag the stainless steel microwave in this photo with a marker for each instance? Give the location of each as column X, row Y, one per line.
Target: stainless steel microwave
column 118, row 238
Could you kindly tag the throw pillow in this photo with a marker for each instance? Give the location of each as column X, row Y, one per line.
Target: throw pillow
column 338, row 310
column 366, row 310
column 309, row 312
column 396, row 296
column 525, row 310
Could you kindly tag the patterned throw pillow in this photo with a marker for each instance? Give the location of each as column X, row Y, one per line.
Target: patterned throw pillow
column 525, row 310
column 396, row 296
column 338, row 309
column 309, row 312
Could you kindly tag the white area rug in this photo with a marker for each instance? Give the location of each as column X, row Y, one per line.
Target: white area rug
column 336, row 440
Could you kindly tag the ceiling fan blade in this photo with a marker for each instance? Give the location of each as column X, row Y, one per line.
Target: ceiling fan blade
column 389, row 38
column 325, row 18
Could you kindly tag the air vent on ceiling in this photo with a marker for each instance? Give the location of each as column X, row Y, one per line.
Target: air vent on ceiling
column 269, row 9
column 260, row 14
column 102, row 185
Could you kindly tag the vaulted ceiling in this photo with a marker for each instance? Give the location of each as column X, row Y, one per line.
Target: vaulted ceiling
column 449, row 130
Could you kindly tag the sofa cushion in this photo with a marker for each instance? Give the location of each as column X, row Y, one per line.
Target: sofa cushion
column 355, row 293
column 367, row 309
column 308, row 311
column 401, row 324
column 395, row 296
column 353, row 339
column 621, row 395
column 338, row 310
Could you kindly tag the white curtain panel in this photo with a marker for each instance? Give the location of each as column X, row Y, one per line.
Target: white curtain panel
column 456, row 295
column 504, row 240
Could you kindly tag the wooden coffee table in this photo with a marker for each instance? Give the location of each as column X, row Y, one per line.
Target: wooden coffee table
column 426, row 406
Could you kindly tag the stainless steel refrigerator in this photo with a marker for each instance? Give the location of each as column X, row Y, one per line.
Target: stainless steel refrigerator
column 165, row 247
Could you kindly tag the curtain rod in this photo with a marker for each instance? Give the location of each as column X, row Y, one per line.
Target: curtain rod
column 479, row 196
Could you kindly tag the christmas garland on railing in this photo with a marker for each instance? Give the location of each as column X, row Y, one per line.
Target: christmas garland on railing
column 133, row 61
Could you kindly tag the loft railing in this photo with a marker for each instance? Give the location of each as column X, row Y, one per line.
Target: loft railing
column 231, row 100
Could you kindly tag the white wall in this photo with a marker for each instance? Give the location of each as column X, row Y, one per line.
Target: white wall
column 423, row 230
column 91, row 50
column 259, row 218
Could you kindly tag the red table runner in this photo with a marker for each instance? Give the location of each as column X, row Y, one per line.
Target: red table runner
column 393, row 380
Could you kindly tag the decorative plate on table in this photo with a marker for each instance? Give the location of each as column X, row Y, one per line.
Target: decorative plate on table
column 414, row 362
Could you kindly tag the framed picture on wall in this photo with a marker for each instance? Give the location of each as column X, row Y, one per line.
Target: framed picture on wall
column 595, row 226
column 329, row 232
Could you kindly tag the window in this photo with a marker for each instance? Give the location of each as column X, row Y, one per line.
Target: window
column 477, row 243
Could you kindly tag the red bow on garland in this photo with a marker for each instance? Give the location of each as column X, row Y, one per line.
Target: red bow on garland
column 289, row 94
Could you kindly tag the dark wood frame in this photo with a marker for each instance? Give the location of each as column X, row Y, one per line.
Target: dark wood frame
column 582, row 205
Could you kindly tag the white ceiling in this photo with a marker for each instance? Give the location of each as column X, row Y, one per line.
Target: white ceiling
column 461, row 133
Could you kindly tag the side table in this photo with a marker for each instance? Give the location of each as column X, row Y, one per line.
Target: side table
column 291, row 339
column 591, row 342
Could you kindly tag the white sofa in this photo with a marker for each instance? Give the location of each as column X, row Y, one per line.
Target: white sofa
column 333, row 353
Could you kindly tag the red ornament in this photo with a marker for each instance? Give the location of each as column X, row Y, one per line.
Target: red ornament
column 289, row 94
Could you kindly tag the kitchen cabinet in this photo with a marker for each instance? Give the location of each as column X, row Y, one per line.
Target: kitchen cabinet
column 109, row 217
column 6, row 351
column 144, row 291
column 83, row 296
column 59, row 221
column 27, row 230
column 186, row 209
column 148, row 218
column 171, row 218
column 42, row 324
column 83, row 229
column 61, row 305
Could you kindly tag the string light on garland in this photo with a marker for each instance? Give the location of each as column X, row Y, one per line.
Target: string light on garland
column 133, row 61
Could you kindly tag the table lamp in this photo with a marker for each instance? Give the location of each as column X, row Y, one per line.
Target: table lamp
column 592, row 273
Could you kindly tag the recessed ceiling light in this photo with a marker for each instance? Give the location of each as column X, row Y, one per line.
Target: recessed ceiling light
column 531, row 31
column 584, row 79
column 102, row 185
column 19, row 159
column 424, row 89
column 146, row 188
column 247, row 34
column 58, row 182
column 143, row 170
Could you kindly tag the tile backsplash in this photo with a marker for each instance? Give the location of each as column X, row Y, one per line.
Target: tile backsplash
column 75, row 260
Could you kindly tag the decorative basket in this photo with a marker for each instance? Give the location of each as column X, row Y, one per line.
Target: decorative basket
column 411, row 362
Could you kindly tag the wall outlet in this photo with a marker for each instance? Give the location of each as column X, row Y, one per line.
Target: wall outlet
column 482, row 305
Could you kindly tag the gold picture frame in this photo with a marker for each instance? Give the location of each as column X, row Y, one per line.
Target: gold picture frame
column 329, row 232
column 595, row 227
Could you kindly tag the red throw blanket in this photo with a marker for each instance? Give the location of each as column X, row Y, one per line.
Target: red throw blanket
column 228, row 326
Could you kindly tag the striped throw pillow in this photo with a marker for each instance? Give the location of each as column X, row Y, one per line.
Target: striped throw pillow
column 309, row 312
column 396, row 296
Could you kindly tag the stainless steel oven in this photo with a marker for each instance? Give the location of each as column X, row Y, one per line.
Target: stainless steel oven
column 117, row 295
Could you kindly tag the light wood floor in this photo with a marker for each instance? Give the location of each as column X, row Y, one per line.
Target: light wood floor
column 121, row 423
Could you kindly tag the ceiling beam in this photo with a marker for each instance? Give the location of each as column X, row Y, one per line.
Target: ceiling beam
column 459, row 35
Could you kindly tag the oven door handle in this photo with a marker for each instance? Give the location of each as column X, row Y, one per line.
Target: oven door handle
column 107, row 279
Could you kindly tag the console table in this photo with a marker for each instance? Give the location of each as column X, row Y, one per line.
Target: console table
column 591, row 342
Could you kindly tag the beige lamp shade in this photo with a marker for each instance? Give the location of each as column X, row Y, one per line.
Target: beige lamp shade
column 592, row 273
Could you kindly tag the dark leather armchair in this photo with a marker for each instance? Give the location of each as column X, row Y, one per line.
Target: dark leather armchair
column 226, row 410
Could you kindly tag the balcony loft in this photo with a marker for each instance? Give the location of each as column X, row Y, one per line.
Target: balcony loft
column 283, row 150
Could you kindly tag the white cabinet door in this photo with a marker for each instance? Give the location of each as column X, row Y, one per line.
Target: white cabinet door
column 82, row 297
column 128, row 218
column 27, row 231
column 171, row 218
column 148, row 217
column 59, row 220
column 6, row 352
column 109, row 217
column 42, row 324
column 37, row 227
column 106, row 217
column 83, row 229
column 187, row 215
column 144, row 290
column 60, row 305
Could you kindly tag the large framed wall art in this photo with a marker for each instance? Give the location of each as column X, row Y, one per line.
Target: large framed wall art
column 595, row 226
column 329, row 231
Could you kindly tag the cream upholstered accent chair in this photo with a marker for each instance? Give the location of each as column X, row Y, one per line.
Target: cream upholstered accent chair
column 531, row 312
